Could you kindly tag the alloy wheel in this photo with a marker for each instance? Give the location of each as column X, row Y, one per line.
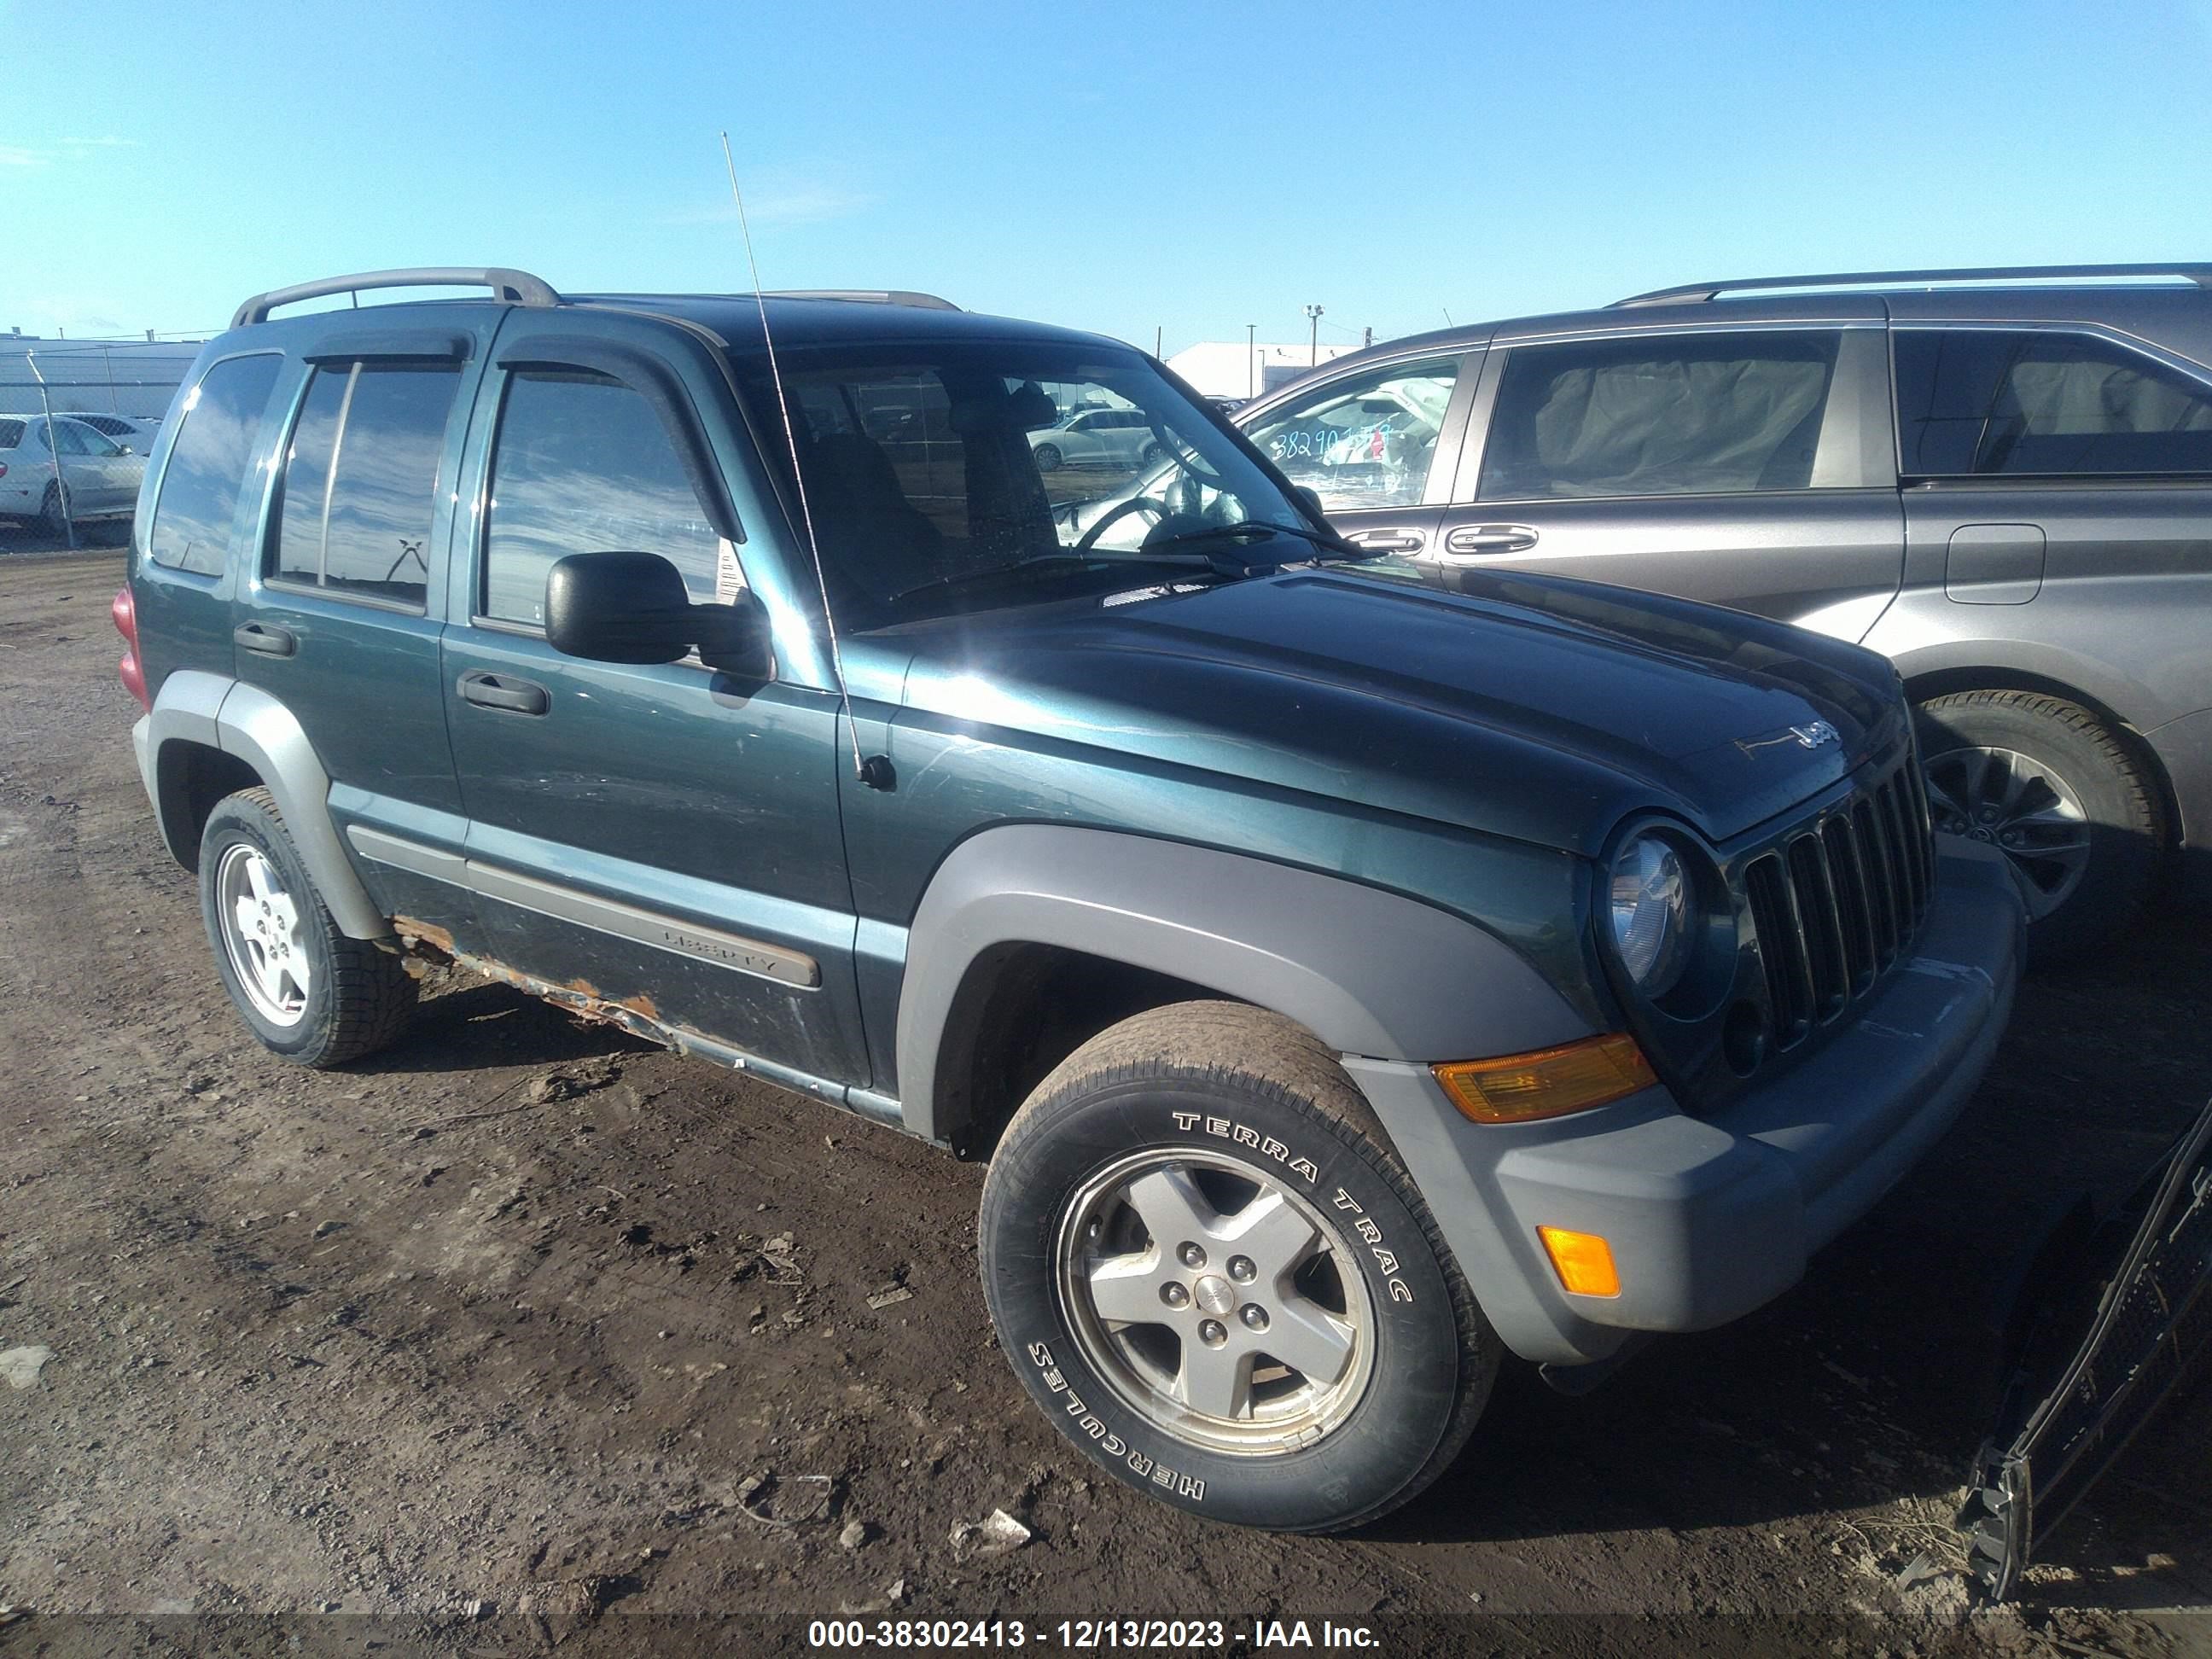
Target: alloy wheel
column 263, row 934
column 1218, row 1304
column 2018, row 805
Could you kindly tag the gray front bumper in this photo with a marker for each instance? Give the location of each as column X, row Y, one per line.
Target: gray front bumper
column 1710, row 1217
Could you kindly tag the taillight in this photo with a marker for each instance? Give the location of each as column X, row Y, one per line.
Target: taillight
column 124, row 613
column 3, row 469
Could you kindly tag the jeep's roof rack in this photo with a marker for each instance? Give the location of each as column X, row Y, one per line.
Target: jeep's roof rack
column 1692, row 292
column 515, row 287
column 876, row 296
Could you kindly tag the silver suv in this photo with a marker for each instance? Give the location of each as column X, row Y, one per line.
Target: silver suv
column 1999, row 478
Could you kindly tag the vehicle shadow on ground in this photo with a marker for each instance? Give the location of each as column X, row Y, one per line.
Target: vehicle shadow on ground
column 470, row 1023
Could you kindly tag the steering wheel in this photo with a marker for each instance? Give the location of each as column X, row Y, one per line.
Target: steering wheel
column 1119, row 511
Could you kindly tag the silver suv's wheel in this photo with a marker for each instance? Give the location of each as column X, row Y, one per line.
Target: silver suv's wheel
column 1210, row 1269
column 307, row 991
column 1221, row 1306
column 2058, row 793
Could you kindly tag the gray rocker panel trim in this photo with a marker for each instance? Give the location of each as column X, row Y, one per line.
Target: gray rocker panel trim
column 1368, row 972
column 220, row 713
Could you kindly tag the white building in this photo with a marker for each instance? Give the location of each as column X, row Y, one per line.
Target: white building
column 1231, row 369
column 118, row 377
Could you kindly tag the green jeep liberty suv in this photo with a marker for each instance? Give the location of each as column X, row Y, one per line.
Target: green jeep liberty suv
column 1353, row 971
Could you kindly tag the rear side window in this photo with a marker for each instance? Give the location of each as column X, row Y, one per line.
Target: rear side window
column 220, row 417
column 360, row 477
column 11, row 434
column 1981, row 402
column 1691, row 414
column 582, row 465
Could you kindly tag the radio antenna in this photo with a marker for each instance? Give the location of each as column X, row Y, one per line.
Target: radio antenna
column 875, row 771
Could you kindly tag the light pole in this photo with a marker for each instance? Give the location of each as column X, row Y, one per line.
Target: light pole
column 1313, row 340
column 1251, row 360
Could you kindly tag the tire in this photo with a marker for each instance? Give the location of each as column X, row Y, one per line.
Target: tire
column 2053, row 786
column 1251, row 1106
column 54, row 515
column 356, row 998
column 1152, row 455
column 1048, row 458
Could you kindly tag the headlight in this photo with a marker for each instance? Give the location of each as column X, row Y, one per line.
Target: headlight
column 1650, row 901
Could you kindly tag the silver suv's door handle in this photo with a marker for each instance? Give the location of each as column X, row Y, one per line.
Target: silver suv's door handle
column 1491, row 538
column 1386, row 541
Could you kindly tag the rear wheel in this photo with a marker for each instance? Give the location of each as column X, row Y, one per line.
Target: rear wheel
column 1211, row 1272
column 305, row 990
column 2053, row 788
column 54, row 512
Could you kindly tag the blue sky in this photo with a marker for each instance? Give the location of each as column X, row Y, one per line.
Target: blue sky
column 1123, row 167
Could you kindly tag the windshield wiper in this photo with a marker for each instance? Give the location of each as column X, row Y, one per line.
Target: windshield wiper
column 1259, row 530
column 989, row 574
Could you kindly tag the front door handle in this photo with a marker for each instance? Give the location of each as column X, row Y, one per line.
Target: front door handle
column 505, row 692
column 266, row 638
column 1386, row 541
column 1491, row 538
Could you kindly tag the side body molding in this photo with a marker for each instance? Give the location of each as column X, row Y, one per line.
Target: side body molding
column 220, row 713
column 1370, row 972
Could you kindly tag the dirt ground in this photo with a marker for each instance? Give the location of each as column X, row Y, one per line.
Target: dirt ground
column 523, row 1327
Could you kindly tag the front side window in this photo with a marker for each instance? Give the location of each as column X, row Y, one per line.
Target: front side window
column 582, row 465
column 2034, row 401
column 1364, row 442
column 360, row 477
column 1689, row 414
column 219, row 418
column 958, row 476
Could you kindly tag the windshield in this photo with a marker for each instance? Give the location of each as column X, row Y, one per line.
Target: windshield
column 945, row 478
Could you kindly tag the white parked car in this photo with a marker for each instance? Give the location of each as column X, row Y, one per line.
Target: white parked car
column 1096, row 437
column 135, row 433
column 99, row 477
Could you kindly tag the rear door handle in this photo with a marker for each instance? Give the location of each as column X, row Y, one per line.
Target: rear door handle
column 266, row 638
column 1388, row 541
column 504, row 691
column 1491, row 538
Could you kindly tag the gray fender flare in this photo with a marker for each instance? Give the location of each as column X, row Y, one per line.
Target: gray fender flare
column 221, row 713
column 1370, row 973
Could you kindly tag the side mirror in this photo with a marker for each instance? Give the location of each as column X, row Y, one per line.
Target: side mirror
column 126, row 449
column 633, row 607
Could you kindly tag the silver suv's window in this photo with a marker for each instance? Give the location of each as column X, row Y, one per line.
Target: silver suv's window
column 582, row 465
column 1363, row 442
column 207, row 463
column 360, row 477
column 2041, row 401
column 1687, row 415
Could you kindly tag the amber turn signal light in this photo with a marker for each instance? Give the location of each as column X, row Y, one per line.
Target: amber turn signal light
column 1583, row 1261
column 1547, row 1082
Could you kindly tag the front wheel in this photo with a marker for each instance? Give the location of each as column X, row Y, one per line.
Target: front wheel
column 1048, row 458
column 1210, row 1269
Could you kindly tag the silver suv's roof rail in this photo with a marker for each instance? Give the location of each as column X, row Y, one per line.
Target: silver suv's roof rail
column 879, row 296
column 515, row 287
column 1692, row 292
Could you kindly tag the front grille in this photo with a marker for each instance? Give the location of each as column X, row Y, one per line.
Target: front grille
column 1837, row 898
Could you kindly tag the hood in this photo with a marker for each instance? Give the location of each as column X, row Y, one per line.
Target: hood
column 1540, row 709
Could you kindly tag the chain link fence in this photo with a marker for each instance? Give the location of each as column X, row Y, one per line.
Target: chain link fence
column 77, row 419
